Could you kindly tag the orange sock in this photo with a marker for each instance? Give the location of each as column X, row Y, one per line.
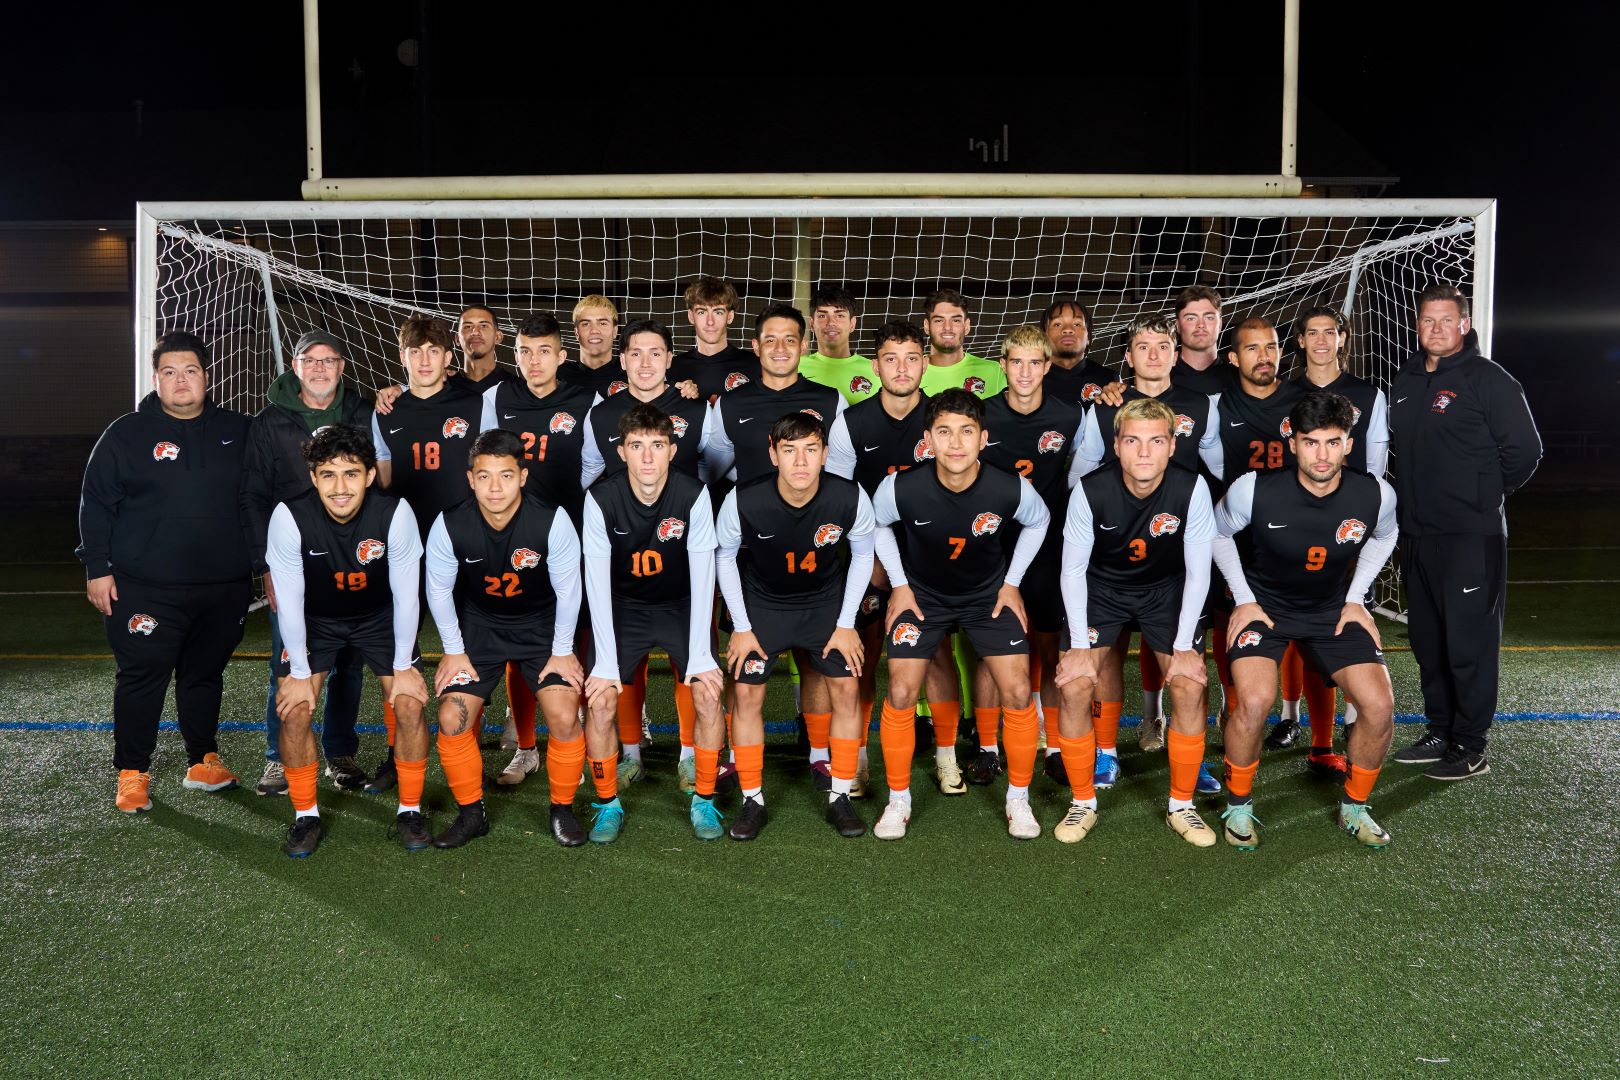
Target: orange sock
column 1022, row 733
column 521, row 697
column 846, row 755
column 819, row 727
column 412, row 779
column 1291, row 673
column 988, row 721
column 1080, row 762
column 1239, row 778
column 728, row 729
column 631, row 699
column 301, row 782
column 1321, row 699
column 1148, row 664
column 564, row 760
column 750, row 765
column 685, row 713
column 1360, row 784
column 388, row 721
column 708, row 768
column 866, row 714
column 1105, row 718
column 1186, row 753
column 605, row 775
column 897, row 733
column 947, row 720
column 1223, row 663
column 463, row 765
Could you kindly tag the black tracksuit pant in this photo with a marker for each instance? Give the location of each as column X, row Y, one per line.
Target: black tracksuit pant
column 1456, row 596
column 186, row 632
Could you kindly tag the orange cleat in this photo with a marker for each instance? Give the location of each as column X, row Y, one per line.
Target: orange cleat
column 1327, row 763
column 134, row 791
column 210, row 774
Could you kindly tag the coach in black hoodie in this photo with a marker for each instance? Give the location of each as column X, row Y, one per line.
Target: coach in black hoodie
column 1464, row 440
column 167, row 563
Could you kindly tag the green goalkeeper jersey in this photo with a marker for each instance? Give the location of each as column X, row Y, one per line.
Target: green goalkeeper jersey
column 851, row 376
column 974, row 373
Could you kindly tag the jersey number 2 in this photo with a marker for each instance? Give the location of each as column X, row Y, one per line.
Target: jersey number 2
column 505, row 585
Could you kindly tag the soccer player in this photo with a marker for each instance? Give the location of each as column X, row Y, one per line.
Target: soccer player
column 300, row 402
column 166, row 561
column 649, row 574
column 1467, row 441
column 1198, row 324
column 715, row 365
column 1136, row 553
column 503, row 585
column 949, row 363
column 645, row 349
column 939, row 540
column 1317, row 536
column 479, row 337
column 596, row 326
column 1073, row 376
column 834, row 363
column 346, row 563
column 805, row 542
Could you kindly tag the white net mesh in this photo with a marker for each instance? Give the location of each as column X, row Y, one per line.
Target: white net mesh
column 246, row 284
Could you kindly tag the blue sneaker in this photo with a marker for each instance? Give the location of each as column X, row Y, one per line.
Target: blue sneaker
column 608, row 822
column 1207, row 784
column 1242, row 827
column 1107, row 772
column 707, row 821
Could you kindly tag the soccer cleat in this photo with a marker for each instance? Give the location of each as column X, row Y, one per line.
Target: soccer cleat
column 751, row 819
column 1327, row 763
column 134, row 791
column 707, row 820
column 892, row 825
column 346, row 773
column 857, row 790
column 1055, row 772
column 1190, row 827
column 524, row 764
column 210, row 774
column 686, row 773
column 509, row 733
column 1151, row 736
column 1242, row 827
column 1106, row 774
column 274, row 780
column 1077, row 822
column 1426, row 751
column 984, row 767
column 385, row 777
column 821, row 776
column 608, row 821
column 1458, row 764
column 630, row 770
column 949, row 775
column 1355, row 819
column 726, row 780
column 1284, row 735
column 1021, row 823
column 841, row 815
column 1208, row 783
column 471, row 823
column 412, row 829
column 565, row 827
column 303, row 837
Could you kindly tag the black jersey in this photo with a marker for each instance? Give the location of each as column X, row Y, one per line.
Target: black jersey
column 951, row 541
column 749, row 411
column 649, row 544
column 605, row 381
column 1192, row 422
column 427, row 440
column 1220, row 377
column 1363, row 397
column 1302, row 549
column 496, row 377
column 553, row 431
column 866, row 443
column 1081, row 384
column 1137, row 543
column 502, row 575
column 1255, row 433
column 1036, row 447
column 794, row 557
column 721, row 373
column 686, row 415
column 345, row 564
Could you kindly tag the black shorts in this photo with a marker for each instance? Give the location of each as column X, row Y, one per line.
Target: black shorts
column 913, row 639
column 371, row 637
column 490, row 648
column 802, row 628
column 874, row 603
column 1043, row 599
column 1155, row 613
column 1326, row 652
column 638, row 629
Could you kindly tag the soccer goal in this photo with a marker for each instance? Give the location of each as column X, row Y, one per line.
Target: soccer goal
column 251, row 277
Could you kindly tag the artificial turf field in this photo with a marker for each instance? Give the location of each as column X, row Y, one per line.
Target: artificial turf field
column 1483, row 942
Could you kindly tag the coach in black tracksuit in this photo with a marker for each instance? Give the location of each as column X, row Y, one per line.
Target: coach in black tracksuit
column 165, row 553
column 1464, row 440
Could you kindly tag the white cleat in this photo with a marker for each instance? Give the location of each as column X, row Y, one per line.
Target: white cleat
column 1076, row 825
column 524, row 763
column 892, row 825
column 1021, row 823
column 1190, row 827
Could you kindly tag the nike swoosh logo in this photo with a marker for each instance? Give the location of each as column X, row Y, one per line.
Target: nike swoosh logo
column 1234, row 423
column 744, row 419
column 1269, row 525
column 508, row 416
column 869, row 449
column 992, row 444
column 1020, row 641
column 395, row 430
column 762, row 536
column 1400, row 399
column 1476, row 588
column 613, row 438
column 914, row 521
column 1107, row 528
column 1475, row 766
column 226, row 442
column 317, row 553
column 620, row 532
column 480, row 559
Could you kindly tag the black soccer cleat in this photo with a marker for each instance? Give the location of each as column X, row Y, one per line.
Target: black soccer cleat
column 1055, row 770
column 727, row 782
column 1284, row 735
column 346, row 773
column 1458, row 764
column 565, row 827
column 1426, row 751
column 984, row 767
column 412, row 829
column 471, row 823
column 303, row 837
column 841, row 815
column 385, row 777
column 751, row 819
column 821, row 776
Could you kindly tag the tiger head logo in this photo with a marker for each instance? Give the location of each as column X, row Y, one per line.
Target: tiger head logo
column 680, row 425
column 986, row 524
column 922, row 451
column 460, row 678
column 671, row 528
column 821, row 419
column 1051, row 442
column 829, row 534
column 562, row 423
column 1184, row 425
column 1355, row 415
column 1164, row 525
column 142, row 624
column 1443, row 400
column 367, row 551
column 1351, row 531
column 1248, row 639
column 525, row 559
column 753, row 666
column 1287, row 428
column 616, row 385
column 905, row 634
column 973, row 384
column 869, row 605
column 455, row 428
column 165, row 451
column 1090, row 392
column 286, row 656
column 1091, row 635
column 735, row 379
column 860, row 384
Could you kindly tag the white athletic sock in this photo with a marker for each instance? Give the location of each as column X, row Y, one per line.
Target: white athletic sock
column 944, row 753
column 413, row 809
column 754, row 793
column 862, row 759
column 840, row 787
column 902, row 799
column 819, row 753
column 688, row 752
column 1053, row 748
column 1349, row 714
column 1090, row 803
column 992, row 747
column 631, row 751
column 1180, row 804
column 1114, row 753
column 1016, row 792
column 314, row 811
column 1290, row 710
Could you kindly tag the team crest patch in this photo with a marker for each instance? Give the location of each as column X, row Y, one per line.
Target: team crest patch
column 922, row 451
column 142, row 624
column 455, row 428
column 367, row 551
column 1164, row 525
column 616, row 385
column 1351, row 531
column 973, row 384
column 671, row 528
column 986, row 524
column 860, row 384
column 1355, row 415
column 752, row 666
column 460, row 678
column 829, row 534
column 562, row 423
column 1248, row 639
column 905, row 634
column 680, row 425
column 286, row 657
column 525, row 559
column 1443, row 400
column 1091, row 635
column 735, row 379
column 869, row 605
column 812, row 412
column 1184, row 425
column 1090, row 392
column 165, row 451
column 1286, row 428
column 1051, row 442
